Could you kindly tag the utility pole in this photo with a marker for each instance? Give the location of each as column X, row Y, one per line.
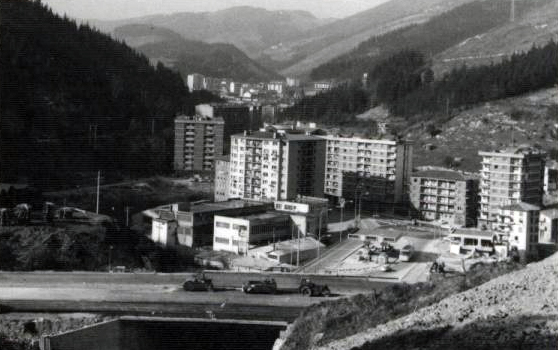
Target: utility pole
column 152, row 126
column 512, row 11
column 342, row 205
column 319, row 232
column 127, row 216
column 98, row 189
column 298, row 249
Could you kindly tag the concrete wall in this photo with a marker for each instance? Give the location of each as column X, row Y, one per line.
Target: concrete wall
column 103, row 336
column 147, row 333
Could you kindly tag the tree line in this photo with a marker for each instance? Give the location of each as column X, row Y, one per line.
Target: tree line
column 74, row 99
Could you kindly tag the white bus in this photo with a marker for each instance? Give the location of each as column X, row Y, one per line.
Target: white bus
column 406, row 253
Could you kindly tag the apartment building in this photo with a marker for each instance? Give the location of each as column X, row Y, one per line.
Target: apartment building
column 237, row 118
column 197, row 141
column 548, row 226
column 445, row 195
column 518, row 224
column 378, row 169
column 221, row 189
column 271, row 166
column 510, row 176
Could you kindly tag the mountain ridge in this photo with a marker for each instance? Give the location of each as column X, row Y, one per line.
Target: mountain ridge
column 219, row 60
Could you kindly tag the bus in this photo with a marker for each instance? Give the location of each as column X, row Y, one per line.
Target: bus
column 406, row 253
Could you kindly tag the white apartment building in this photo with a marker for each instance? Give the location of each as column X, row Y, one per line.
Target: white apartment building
column 510, row 176
column 381, row 168
column 548, row 226
column 269, row 166
column 518, row 224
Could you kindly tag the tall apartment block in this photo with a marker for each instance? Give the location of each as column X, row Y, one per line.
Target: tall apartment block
column 446, row 195
column 271, row 166
column 237, row 119
column 380, row 169
column 510, row 176
column 197, row 141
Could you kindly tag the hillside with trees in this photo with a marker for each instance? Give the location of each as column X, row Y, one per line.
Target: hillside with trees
column 189, row 56
column 75, row 100
column 430, row 38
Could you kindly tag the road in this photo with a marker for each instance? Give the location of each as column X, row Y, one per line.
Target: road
column 332, row 256
column 154, row 294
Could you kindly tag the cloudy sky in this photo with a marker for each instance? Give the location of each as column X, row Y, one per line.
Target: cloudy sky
column 118, row 9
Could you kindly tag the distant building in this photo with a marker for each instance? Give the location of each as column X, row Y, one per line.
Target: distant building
column 277, row 86
column 510, row 176
column 237, row 119
column 446, row 195
column 196, row 82
column 235, row 88
column 518, row 224
column 293, row 82
column 551, row 177
column 192, row 224
column 271, row 166
column 239, row 234
column 378, row 170
column 269, row 112
column 307, row 213
column 222, row 168
column 197, row 141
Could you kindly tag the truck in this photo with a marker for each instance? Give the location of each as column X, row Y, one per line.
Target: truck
column 310, row 289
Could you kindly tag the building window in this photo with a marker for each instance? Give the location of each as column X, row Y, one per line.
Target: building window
column 471, row 241
column 239, row 227
column 221, row 240
column 222, row 224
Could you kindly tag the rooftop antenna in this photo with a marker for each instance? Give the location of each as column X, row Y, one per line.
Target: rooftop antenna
column 512, row 11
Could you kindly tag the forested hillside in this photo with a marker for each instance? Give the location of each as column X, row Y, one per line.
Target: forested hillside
column 430, row 38
column 74, row 100
column 521, row 73
column 189, row 56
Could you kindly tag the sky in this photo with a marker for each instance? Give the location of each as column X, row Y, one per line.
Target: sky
column 120, row 9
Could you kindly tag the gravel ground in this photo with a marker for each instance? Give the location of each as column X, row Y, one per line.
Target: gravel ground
column 515, row 311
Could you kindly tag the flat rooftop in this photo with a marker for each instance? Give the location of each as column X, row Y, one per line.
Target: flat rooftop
column 472, row 233
column 218, row 206
column 267, row 135
column 451, row 175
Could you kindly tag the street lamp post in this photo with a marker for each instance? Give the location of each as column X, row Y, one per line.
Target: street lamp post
column 342, row 205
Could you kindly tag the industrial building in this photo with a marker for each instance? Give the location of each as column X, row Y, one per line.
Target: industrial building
column 445, row 195
column 197, row 141
column 222, row 168
column 307, row 213
column 271, row 166
column 379, row 170
column 510, row 176
column 239, row 234
column 191, row 224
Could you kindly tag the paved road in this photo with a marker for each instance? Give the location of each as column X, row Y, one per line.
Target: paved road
column 333, row 256
column 158, row 294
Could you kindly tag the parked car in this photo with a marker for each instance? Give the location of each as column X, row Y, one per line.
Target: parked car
column 266, row 286
column 198, row 283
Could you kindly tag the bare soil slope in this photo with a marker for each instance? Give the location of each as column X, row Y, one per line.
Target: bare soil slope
column 515, row 311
